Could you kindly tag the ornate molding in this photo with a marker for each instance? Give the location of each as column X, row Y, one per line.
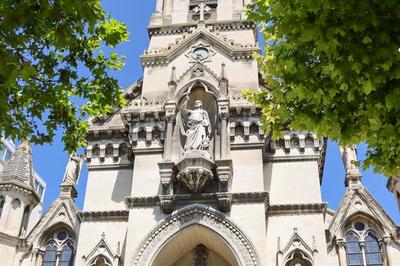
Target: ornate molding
column 19, row 188
column 132, row 202
column 10, row 240
column 189, row 27
column 196, row 215
column 121, row 215
column 297, row 208
column 250, row 197
column 236, row 51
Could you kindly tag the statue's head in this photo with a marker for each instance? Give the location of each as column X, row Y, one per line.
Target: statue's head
column 198, row 104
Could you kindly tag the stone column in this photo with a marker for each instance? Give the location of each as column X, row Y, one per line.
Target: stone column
column 280, row 258
column 58, row 254
column 341, row 247
column 223, row 110
column 362, row 245
column 388, row 250
column 38, row 258
column 170, row 114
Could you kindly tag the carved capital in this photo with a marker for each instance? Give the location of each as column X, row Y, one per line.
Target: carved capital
column 341, row 243
column 224, row 201
column 167, row 203
column 224, row 115
column 387, row 240
column 167, row 175
column 224, row 174
column 170, row 111
column 170, row 117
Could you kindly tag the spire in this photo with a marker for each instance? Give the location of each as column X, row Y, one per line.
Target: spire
column 19, row 168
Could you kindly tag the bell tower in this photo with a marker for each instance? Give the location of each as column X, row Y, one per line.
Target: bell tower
column 169, row 12
column 187, row 157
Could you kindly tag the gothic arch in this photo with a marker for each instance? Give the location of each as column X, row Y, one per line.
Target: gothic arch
column 360, row 215
column 208, row 86
column 200, row 215
column 53, row 229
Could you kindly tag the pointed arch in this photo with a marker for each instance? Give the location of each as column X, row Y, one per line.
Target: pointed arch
column 297, row 250
column 196, row 215
column 100, row 260
column 210, row 87
column 297, row 257
column 102, row 253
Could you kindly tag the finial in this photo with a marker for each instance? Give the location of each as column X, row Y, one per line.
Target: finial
column 223, row 70
column 173, row 74
column 103, row 235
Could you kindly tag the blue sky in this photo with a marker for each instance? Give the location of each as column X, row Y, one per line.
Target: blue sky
column 50, row 160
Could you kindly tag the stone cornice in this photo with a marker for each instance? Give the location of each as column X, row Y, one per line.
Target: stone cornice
column 291, row 158
column 297, row 208
column 11, row 240
column 232, row 50
column 11, row 185
column 120, row 215
column 245, row 197
column 188, row 27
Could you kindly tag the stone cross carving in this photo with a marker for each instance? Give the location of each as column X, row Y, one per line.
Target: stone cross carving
column 201, row 9
column 195, row 126
column 73, row 169
column 349, row 157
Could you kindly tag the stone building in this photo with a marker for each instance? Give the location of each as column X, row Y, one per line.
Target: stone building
column 185, row 174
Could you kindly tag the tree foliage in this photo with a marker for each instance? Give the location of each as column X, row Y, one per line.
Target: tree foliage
column 51, row 59
column 333, row 67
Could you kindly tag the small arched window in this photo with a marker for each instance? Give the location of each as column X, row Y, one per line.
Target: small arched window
column 59, row 250
column 67, row 255
column 50, row 255
column 353, row 249
column 25, row 221
column 372, row 250
column 1, row 205
column 362, row 232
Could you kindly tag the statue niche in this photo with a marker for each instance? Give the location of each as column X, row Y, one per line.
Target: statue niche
column 197, row 129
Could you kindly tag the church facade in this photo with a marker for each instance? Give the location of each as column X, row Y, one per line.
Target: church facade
column 186, row 175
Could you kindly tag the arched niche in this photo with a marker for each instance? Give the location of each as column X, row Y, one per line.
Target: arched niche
column 298, row 258
column 207, row 222
column 193, row 244
column 203, row 91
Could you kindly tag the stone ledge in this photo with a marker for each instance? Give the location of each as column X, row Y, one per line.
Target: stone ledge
column 297, row 208
column 244, row 197
column 121, row 215
column 9, row 239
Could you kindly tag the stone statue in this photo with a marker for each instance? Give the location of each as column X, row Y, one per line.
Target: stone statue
column 195, row 126
column 349, row 157
column 73, row 169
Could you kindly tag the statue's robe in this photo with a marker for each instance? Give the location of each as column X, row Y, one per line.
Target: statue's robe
column 197, row 124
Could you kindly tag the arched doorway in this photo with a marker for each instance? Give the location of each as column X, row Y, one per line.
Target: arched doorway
column 186, row 229
column 195, row 245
